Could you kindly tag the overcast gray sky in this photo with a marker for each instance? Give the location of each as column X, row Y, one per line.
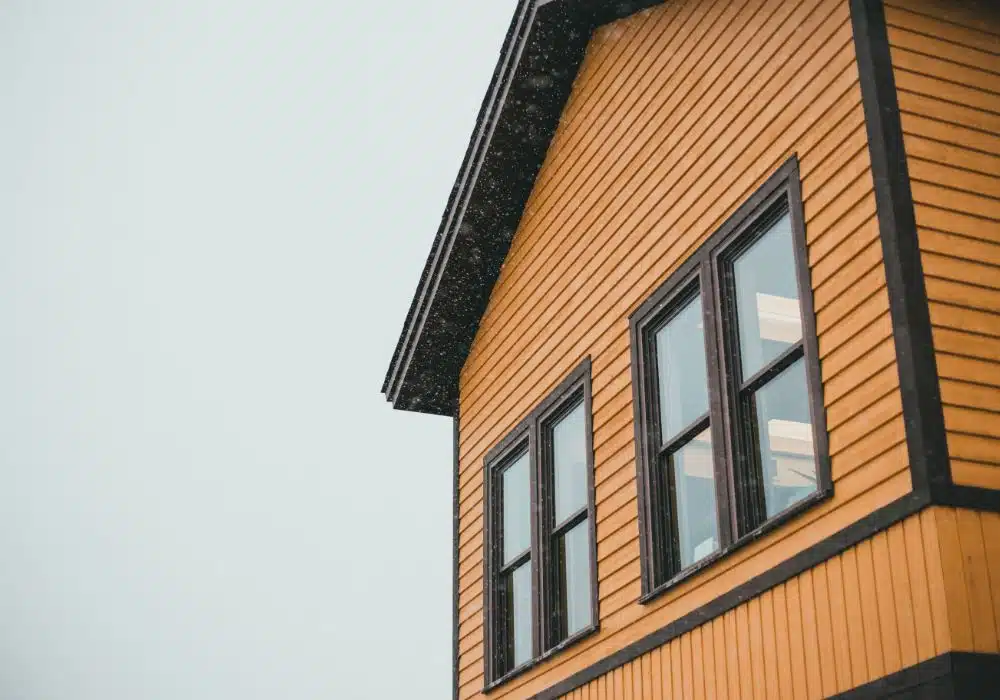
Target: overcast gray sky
column 213, row 215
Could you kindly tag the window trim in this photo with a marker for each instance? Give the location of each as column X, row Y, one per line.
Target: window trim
column 701, row 271
column 529, row 432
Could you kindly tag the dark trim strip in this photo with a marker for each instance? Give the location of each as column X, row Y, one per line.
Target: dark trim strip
column 953, row 675
column 971, row 497
column 923, row 416
column 879, row 520
column 975, row 674
column 454, row 558
column 875, row 522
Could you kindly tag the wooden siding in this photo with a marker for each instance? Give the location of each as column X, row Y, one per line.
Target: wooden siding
column 678, row 114
column 946, row 61
column 970, row 560
column 922, row 588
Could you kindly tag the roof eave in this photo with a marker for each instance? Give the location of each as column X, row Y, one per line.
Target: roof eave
column 538, row 63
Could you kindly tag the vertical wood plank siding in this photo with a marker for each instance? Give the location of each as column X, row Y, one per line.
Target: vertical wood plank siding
column 910, row 599
column 678, row 114
column 946, row 61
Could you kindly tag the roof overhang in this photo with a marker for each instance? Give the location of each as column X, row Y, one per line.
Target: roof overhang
column 540, row 58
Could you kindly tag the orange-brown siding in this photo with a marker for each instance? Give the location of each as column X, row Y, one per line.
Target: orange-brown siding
column 915, row 591
column 970, row 560
column 678, row 114
column 946, row 61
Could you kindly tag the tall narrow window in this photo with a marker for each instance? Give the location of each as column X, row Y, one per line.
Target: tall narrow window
column 730, row 427
column 565, row 471
column 541, row 581
column 515, row 563
column 776, row 457
column 684, row 475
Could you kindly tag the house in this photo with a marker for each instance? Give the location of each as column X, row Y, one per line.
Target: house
column 715, row 309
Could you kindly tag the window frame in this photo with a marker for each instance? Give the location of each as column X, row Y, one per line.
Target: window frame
column 707, row 271
column 531, row 435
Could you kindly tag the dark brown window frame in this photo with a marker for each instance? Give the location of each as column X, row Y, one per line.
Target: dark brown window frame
column 704, row 272
column 528, row 436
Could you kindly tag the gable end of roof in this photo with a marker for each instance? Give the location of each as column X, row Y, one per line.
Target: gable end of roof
column 538, row 63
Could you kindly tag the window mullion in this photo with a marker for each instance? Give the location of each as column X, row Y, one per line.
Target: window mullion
column 754, row 506
column 721, row 444
column 545, row 517
column 748, row 493
column 538, row 626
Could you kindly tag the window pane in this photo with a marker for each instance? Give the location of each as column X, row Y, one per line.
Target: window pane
column 692, row 481
column 575, row 584
column 683, row 374
column 786, row 440
column 767, row 298
column 516, row 509
column 569, row 448
column 519, row 605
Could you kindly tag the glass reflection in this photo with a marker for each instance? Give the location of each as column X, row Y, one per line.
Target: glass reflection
column 784, row 431
column 516, row 509
column 692, row 484
column 574, row 553
column 682, row 370
column 767, row 298
column 569, row 459
column 520, row 607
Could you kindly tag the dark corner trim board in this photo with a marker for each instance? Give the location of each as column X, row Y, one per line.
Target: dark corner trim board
column 971, row 497
column 951, row 675
column 875, row 522
column 923, row 416
column 455, row 516
column 538, row 63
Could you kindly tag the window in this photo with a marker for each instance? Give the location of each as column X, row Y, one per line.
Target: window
column 730, row 427
column 541, row 590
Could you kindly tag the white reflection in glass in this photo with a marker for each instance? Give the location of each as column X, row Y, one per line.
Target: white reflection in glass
column 575, row 546
column 516, row 509
column 520, row 606
column 767, row 298
column 784, row 430
column 682, row 371
column 693, row 480
column 569, row 457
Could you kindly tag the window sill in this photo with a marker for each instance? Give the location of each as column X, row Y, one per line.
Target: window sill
column 537, row 661
column 770, row 526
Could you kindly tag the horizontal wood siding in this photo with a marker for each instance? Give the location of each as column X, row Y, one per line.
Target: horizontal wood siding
column 946, row 60
column 924, row 587
column 678, row 114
